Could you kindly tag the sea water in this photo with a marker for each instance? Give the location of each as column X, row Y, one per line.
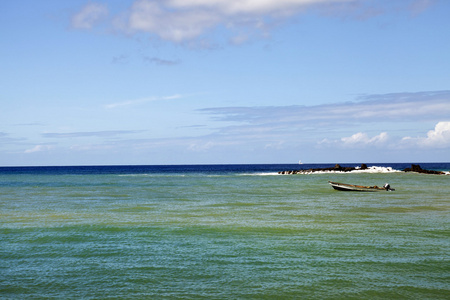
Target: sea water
column 222, row 232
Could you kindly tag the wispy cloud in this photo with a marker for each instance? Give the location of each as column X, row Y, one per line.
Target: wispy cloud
column 39, row 148
column 5, row 138
column 161, row 62
column 120, row 59
column 423, row 106
column 142, row 101
column 30, row 124
column 182, row 21
column 90, row 15
column 418, row 6
column 107, row 133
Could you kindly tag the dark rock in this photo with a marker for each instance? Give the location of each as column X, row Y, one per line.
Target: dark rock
column 339, row 168
column 418, row 169
column 336, row 167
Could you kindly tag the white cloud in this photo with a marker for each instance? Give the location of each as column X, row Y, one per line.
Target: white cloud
column 167, row 23
column 358, row 140
column 437, row 138
column 233, row 7
column 201, row 146
column 89, row 16
column 184, row 21
column 39, row 148
column 106, row 133
column 362, row 139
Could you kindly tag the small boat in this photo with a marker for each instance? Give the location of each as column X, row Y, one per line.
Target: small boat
column 359, row 188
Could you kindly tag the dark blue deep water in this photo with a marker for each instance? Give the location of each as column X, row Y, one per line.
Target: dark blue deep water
column 137, row 169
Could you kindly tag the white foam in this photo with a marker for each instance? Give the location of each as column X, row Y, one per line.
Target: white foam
column 375, row 169
column 260, row 174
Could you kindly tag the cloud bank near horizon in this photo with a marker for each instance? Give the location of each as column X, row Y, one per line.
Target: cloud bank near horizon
column 286, row 125
column 330, row 126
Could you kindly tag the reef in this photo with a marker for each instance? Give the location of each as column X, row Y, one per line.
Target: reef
column 339, row 168
column 418, row 169
column 336, row 168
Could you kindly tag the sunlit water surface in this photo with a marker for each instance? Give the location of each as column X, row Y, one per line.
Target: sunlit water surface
column 213, row 233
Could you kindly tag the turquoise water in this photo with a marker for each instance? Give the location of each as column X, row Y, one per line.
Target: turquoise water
column 241, row 234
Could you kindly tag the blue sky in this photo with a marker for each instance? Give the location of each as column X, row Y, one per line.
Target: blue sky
column 224, row 81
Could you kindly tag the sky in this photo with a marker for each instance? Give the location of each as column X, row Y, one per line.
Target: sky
column 155, row 82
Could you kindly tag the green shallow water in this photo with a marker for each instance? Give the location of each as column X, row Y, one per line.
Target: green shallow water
column 225, row 236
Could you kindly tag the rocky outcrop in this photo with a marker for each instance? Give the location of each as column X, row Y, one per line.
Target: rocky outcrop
column 336, row 168
column 339, row 168
column 418, row 169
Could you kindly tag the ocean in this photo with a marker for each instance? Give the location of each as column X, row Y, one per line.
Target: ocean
column 222, row 232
